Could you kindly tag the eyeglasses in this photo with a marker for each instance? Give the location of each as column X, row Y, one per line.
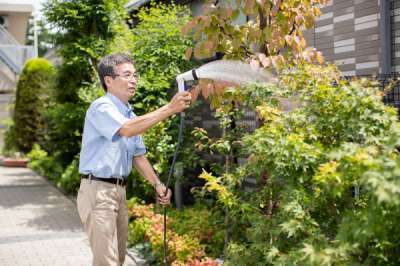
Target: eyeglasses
column 126, row 76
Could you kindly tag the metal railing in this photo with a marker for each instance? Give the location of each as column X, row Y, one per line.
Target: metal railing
column 392, row 97
column 12, row 53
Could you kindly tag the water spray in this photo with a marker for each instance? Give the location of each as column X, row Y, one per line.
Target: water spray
column 225, row 70
column 235, row 72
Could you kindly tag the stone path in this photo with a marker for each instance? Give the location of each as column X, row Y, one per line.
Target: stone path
column 38, row 224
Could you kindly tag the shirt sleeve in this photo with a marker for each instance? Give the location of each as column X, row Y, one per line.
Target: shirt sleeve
column 107, row 120
column 140, row 147
column 135, row 145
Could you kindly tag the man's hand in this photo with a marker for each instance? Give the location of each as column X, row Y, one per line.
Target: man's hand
column 162, row 197
column 180, row 101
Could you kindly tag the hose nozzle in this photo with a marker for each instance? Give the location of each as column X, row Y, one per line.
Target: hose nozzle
column 181, row 79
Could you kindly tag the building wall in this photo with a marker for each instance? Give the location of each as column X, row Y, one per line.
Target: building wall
column 17, row 15
column 395, row 22
column 18, row 24
column 348, row 35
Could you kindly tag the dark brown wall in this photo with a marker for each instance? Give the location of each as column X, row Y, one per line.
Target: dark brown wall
column 348, row 34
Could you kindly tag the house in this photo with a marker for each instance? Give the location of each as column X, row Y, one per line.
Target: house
column 13, row 52
column 362, row 37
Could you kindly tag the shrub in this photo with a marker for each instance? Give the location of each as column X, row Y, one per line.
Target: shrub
column 327, row 173
column 10, row 147
column 70, row 179
column 158, row 48
column 146, row 227
column 87, row 28
column 43, row 164
column 32, row 90
column 63, row 131
column 202, row 223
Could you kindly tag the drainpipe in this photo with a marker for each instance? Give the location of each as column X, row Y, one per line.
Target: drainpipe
column 35, row 35
column 385, row 37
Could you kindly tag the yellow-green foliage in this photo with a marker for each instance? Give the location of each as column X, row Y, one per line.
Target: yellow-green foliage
column 328, row 174
column 32, row 92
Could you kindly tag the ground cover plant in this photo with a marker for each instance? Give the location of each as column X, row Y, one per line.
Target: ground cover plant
column 185, row 247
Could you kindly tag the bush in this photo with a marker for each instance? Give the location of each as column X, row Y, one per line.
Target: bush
column 146, row 229
column 71, row 178
column 87, row 28
column 43, row 164
column 327, row 173
column 10, row 147
column 202, row 223
column 31, row 97
column 158, row 48
column 63, row 130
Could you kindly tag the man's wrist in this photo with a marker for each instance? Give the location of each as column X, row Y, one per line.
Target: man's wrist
column 170, row 109
column 157, row 183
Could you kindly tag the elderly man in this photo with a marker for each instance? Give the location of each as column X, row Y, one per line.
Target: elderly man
column 111, row 142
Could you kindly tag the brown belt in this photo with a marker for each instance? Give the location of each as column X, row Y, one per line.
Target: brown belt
column 112, row 180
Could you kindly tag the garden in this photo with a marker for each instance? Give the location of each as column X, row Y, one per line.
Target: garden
column 326, row 171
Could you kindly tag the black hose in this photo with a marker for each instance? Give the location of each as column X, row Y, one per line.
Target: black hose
column 171, row 171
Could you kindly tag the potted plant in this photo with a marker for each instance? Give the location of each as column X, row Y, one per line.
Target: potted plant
column 14, row 159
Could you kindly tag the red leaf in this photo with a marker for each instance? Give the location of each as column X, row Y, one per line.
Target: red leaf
column 188, row 53
column 195, row 93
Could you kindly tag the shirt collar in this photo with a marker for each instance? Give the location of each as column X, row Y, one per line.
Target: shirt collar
column 122, row 107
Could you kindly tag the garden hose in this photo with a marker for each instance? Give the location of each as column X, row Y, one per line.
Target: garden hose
column 171, row 171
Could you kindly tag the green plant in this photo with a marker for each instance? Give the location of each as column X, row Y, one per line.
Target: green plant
column 87, row 29
column 63, row 131
column 146, row 229
column 43, row 164
column 202, row 223
column 10, row 147
column 31, row 99
column 158, row 48
column 70, row 178
column 309, row 164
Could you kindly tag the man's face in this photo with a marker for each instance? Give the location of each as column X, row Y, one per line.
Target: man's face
column 123, row 84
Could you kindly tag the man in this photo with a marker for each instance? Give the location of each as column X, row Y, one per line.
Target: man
column 111, row 142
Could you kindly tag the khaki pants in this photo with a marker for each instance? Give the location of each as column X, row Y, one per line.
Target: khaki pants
column 102, row 209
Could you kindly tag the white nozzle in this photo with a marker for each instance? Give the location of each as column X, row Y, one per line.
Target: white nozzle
column 187, row 76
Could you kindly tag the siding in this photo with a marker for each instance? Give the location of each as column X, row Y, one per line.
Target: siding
column 348, row 34
column 395, row 22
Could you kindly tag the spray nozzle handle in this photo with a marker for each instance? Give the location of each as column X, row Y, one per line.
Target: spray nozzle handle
column 184, row 78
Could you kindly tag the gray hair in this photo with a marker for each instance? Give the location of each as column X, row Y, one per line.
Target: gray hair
column 106, row 66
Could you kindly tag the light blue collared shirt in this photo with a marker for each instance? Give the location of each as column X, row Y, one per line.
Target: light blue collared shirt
column 104, row 152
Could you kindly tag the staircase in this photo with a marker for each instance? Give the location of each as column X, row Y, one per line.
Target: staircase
column 12, row 59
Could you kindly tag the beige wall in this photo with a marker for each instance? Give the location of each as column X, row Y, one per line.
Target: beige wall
column 18, row 23
column 17, row 16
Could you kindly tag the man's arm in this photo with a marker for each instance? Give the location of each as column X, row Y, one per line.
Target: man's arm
column 146, row 170
column 140, row 124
